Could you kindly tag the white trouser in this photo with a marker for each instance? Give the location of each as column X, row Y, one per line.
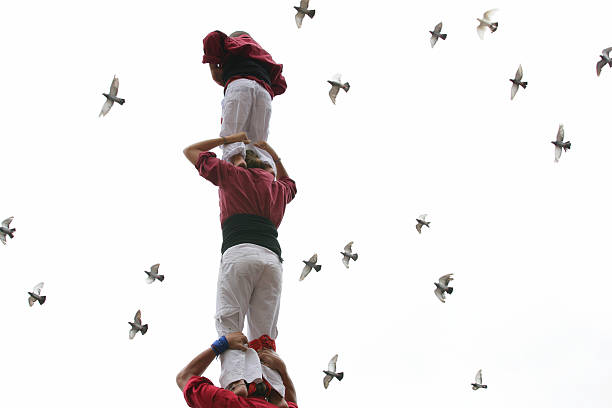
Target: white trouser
column 246, row 107
column 250, row 283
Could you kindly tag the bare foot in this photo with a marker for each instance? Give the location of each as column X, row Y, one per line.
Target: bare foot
column 238, row 160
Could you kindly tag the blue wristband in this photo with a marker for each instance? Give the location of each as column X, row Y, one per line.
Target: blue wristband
column 219, row 346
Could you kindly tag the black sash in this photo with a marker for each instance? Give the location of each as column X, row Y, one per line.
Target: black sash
column 250, row 229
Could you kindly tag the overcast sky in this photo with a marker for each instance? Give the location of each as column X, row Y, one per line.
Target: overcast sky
column 97, row 201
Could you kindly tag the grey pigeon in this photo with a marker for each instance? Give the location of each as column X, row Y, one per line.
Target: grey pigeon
column 310, row 264
column 421, row 221
column 516, row 82
column 302, row 11
column 478, row 381
column 605, row 59
column 111, row 97
column 331, row 372
column 152, row 274
column 35, row 295
column 137, row 326
column 6, row 230
column 348, row 254
column 435, row 34
column 336, row 84
column 442, row 287
column 560, row 145
column 486, row 22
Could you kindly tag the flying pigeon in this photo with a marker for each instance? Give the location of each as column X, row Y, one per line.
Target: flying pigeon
column 111, row 97
column 152, row 274
column 485, row 22
column 478, row 382
column 310, row 264
column 302, row 11
column 605, row 59
column 331, row 372
column 560, row 144
column 442, row 286
column 336, row 84
column 35, row 295
column 348, row 254
column 137, row 326
column 6, row 230
column 516, row 82
column 421, row 221
column 435, row 34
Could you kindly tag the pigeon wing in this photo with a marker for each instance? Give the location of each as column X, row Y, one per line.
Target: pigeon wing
column 114, row 87
column 479, row 377
column 7, row 222
column 150, row 279
column 419, row 226
column 31, row 300
column 481, row 30
column 305, row 272
column 133, row 333
column 422, row 217
column 519, row 73
column 607, row 51
column 304, row 4
column 3, row 238
column 488, row 15
column 513, row 91
column 558, row 151
column 438, row 28
column 137, row 318
column 326, row 380
column 345, row 260
column 106, row 107
column 299, row 17
column 440, row 295
column 155, row 268
column 600, row 64
column 313, row 259
column 560, row 133
column 38, row 288
column 333, row 92
column 332, row 364
column 337, row 78
column 348, row 248
column 433, row 40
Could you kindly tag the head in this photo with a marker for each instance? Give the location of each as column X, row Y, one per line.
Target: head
column 239, row 33
column 254, row 162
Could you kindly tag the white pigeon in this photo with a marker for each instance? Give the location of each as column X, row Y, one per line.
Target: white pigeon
column 111, row 97
column 336, row 83
column 516, row 82
column 478, row 381
column 35, row 295
column 486, row 22
column 348, row 254
column 435, row 34
column 5, row 230
column 421, row 221
column 302, row 11
column 152, row 274
column 442, row 287
column 331, row 372
column 604, row 59
column 137, row 326
column 310, row 264
column 560, row 145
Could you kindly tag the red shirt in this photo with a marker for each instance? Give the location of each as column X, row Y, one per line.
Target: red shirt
column 200, row 392
column 247, row 191
column 218, row 46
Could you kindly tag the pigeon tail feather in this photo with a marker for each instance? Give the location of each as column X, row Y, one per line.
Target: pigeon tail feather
column 346, row 87
column 449, row 290
column 340, row 376
column 494, row 27
column 317, row 268
column 484, row 386
column 161, row 278
column 310, row 13
column 42, row 299
column 120, row 101
column 443, row 36
column 144, row 329
column 354, row 257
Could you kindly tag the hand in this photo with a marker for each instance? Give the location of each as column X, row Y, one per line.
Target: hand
column 265, row 146
column 237, row 341
column 269, row 358
column 237, row 137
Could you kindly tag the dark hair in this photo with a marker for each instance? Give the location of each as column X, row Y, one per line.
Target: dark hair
column 254, row 162
column 239, row 33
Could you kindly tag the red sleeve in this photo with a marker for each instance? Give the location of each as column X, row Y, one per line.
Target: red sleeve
column 200, row 392
column 279, row 85
column 214, row 48
column 292, row 404
column 289, row 187
column 212, row 169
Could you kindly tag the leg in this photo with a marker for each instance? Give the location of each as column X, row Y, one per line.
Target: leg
column 236, row 115
column 260, row 121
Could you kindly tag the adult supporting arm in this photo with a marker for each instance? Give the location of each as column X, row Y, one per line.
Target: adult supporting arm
column 193, row 152
column 198, row 365
column 271, row 359
column 280, row 169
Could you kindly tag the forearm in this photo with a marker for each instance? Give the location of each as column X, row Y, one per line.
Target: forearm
column 193, row 152
column 280, row 169
column 290, row 394
column 196, row 367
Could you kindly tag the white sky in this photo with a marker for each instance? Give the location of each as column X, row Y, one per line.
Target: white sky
column 97, row 201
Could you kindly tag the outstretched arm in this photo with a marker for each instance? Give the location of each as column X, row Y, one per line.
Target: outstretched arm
column 198, row 365
column 270, row 359
column 193, row 152
column 280, row 169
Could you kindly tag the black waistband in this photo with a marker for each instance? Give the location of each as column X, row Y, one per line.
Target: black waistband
column 236, row 66
column 250, row 229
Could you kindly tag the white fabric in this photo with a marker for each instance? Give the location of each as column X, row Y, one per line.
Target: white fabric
column 249, row 285
column 246, row 107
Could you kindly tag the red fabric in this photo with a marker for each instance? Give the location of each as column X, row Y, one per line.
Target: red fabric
column 200, row 392
column 218, row 46
column 264, row 342
column 247, row 191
